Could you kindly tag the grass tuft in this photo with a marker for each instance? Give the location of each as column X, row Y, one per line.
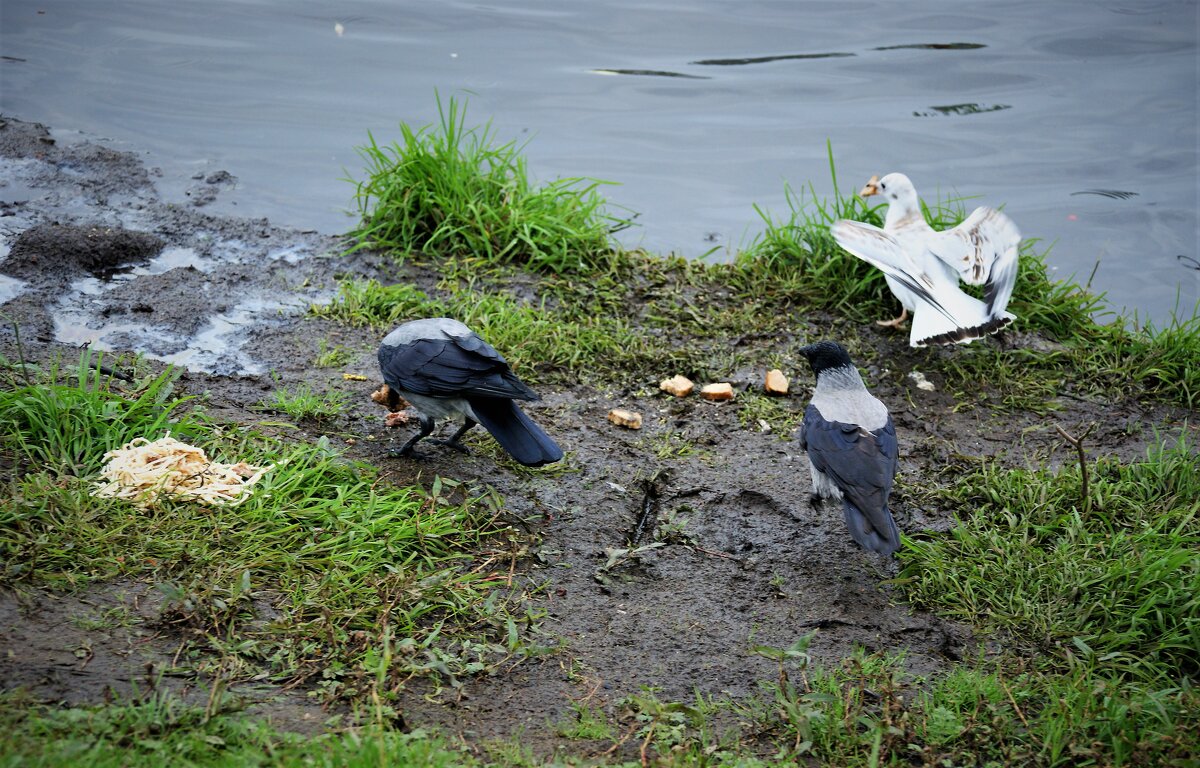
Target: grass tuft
column 1114, row 580
column 67, row 428
column 455, row 191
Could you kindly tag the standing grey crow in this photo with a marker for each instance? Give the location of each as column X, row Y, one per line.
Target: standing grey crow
column 851, row 445
column 923, row 266
column 443, row 368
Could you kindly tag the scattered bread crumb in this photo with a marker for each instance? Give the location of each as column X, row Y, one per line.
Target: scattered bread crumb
column 624, row 418
column 354, row 377
column 679, row 386
column 397, row 418
column 380, row 396
column 721, row 391
column 776, row 383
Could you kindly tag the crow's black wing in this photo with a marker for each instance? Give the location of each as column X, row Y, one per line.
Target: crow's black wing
column 451, row 366
column 861, row 463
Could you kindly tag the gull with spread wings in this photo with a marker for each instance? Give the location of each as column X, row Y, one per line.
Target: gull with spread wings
column 923, row 266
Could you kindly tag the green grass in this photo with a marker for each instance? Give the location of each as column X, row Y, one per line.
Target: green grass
column 68, row 427
column 332, row 356
column 301, row 402
column 870, row 712
column 453, row 190
column 157, row 729
column 321, row 544
column 585, row 722
column 1115, row 579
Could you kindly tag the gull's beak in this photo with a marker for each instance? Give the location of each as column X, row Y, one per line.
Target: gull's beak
column 872, row 188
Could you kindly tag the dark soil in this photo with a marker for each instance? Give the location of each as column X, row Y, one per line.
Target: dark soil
column 755, row 563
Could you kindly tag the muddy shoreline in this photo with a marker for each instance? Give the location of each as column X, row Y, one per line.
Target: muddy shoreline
column 92, row 254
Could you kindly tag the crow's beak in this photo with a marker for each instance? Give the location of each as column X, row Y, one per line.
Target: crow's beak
column 872, row 188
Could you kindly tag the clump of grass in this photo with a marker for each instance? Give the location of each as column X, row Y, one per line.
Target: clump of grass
column 1114, row 578
column 453, row 190
column 158, row 729
column 301, row 402
column 800, row 251
column 153, row 729
column 67, row 428
column 584, row 722
column 334, row 356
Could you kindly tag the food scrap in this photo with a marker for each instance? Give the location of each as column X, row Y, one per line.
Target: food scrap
column 721, row 391
column 624, row 418
column 143, row 472
column 776, row 383
column 679, row 386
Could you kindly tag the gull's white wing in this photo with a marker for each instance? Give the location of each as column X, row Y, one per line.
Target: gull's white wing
column 983, row 250
column 881, row 250
column 956, row 317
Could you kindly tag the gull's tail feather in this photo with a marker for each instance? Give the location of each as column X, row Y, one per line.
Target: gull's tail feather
column 957, row 319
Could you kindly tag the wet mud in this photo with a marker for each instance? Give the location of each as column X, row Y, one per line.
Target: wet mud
column 722, row 548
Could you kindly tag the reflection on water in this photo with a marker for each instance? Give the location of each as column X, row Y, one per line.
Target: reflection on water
column 934, row 46
column 1115, row 194
column 1041, row 99
column 963, row 109
column 651, row 72
column 766, row 59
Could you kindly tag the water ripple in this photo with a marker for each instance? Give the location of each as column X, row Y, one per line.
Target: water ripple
column 934, row 46
column 962, row 109
column 767, row 59
column 649, row 73
column 1116, row 194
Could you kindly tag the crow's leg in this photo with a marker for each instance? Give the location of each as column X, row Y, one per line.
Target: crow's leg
column 407, row 448
column 453, row 441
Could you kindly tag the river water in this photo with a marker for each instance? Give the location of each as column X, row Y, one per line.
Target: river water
column 1080, row 118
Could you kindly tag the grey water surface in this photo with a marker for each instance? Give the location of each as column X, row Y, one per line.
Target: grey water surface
column 1080, row 118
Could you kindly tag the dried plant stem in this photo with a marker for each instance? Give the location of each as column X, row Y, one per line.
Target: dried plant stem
column 1085, row 501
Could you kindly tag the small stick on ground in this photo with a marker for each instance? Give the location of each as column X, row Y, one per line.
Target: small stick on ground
column 1013, row 701
column 1085, row 502
column 714, row 553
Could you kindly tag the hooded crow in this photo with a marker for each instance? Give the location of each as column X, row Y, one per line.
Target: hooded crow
column 923, row 266
column 851, row 445
column 443, row 369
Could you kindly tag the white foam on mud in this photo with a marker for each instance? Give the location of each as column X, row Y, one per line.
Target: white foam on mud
column 175, row 258
column 11, row 288
column 216, row 348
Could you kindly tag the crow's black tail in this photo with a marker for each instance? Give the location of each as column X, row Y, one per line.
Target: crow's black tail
column 516, row 433
column 869, row 536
